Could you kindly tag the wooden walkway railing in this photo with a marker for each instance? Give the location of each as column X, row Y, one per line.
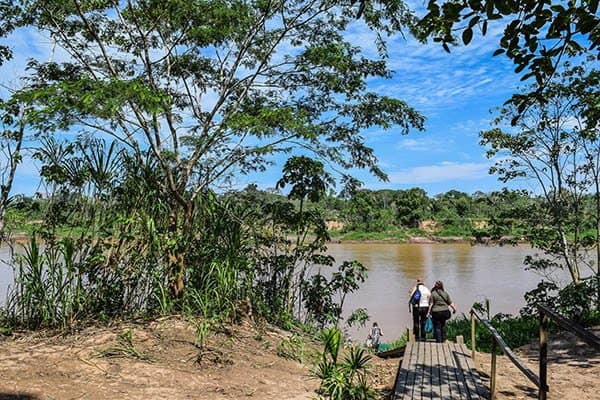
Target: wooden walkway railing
column 437, row 371
column 540, row 381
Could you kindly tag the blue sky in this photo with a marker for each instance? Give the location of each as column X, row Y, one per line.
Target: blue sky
column 454, row 91
column 457, row 93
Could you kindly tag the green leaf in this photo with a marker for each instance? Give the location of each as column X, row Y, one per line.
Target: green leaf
column 467, row 35
column 474, row 21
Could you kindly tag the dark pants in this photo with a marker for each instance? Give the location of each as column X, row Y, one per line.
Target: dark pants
column 439, row 324
column 419, row 318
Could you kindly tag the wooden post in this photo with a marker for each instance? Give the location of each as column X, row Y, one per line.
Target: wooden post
column 410, row 336
column 493, row 372
column 473, row 336
column 543, row 356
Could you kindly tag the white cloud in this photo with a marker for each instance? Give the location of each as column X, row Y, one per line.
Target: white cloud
column 424, row 144
column 471, row 127
column 443, row 172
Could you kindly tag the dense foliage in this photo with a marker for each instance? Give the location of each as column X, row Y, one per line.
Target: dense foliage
column 153, row 108
column 555, row 145
column 143, row 122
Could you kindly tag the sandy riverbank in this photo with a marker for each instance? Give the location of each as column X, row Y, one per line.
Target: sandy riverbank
column 237, row 362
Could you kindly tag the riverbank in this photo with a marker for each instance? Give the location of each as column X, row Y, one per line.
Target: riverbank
column 155, row 360
column 163, row 360
column 505, row 240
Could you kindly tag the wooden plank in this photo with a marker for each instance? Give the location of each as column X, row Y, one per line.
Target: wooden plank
column 571, row 326
column 460, row 377
column 511, row 355
column 437, row 371
column 461, row 356
column 455, row 392
column 444, row 375
column 401, row 387
column 417, row 367
column 420, row 371
column 428, row 372
column 406, row 390
column 474, row 376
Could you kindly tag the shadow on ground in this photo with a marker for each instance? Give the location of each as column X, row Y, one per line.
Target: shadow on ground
column 565, row 348
column 18, row 396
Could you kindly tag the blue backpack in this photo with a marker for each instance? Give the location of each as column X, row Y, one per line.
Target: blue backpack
column 416, row 297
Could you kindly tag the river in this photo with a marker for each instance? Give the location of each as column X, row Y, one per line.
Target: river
column 6, row 273
column 470, row 274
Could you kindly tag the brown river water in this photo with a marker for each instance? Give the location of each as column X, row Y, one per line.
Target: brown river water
column 470, row 274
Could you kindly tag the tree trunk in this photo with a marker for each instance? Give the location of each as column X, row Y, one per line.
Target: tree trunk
column 571, row 263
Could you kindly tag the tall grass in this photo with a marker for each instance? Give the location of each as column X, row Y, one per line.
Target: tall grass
column 215, row 292
column 48, row 290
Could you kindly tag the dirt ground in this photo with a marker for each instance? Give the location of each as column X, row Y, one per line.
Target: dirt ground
column 573, row 370
column 239, row 362
column 164, row 362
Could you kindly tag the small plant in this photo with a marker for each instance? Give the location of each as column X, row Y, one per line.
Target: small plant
column 202, row 331
column 342, row 380
column 124, row 348
column 164, row 299
column 5, row 328
column 292, row 348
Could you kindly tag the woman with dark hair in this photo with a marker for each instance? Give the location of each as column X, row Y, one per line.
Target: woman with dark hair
column 440, row 304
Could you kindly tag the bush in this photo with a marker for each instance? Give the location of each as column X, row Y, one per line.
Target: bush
column 516, row 331
column 346, row 379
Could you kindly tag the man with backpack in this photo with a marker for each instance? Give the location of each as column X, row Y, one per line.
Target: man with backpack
column 419, row 305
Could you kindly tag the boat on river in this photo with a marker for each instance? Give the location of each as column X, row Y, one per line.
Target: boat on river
column 386, row 351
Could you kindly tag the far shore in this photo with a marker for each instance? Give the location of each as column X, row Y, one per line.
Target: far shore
column 506, row 240
column 23, row 238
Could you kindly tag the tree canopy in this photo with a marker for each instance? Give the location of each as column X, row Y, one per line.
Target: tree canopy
column 214, row 88
column 537, row 34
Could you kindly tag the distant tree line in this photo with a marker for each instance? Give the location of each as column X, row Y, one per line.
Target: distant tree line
column 480, row 215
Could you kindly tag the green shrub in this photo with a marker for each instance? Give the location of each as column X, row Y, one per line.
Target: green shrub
column 346, row 379
column 516, row 331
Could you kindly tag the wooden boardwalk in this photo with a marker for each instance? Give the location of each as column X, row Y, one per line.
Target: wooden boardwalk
column 438, row 371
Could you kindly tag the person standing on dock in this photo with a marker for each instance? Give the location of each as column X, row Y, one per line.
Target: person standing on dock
column 419, row 303
column 440, row 304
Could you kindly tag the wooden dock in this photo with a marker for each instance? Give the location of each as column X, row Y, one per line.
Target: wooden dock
column 438, row 371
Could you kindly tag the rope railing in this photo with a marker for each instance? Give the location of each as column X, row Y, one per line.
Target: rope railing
column 540, row 380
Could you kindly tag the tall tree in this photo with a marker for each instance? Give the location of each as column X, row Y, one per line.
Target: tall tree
column 412, row 207
column 12, row 118
column 13, row 123
column 554, row 145
column 214, row 88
